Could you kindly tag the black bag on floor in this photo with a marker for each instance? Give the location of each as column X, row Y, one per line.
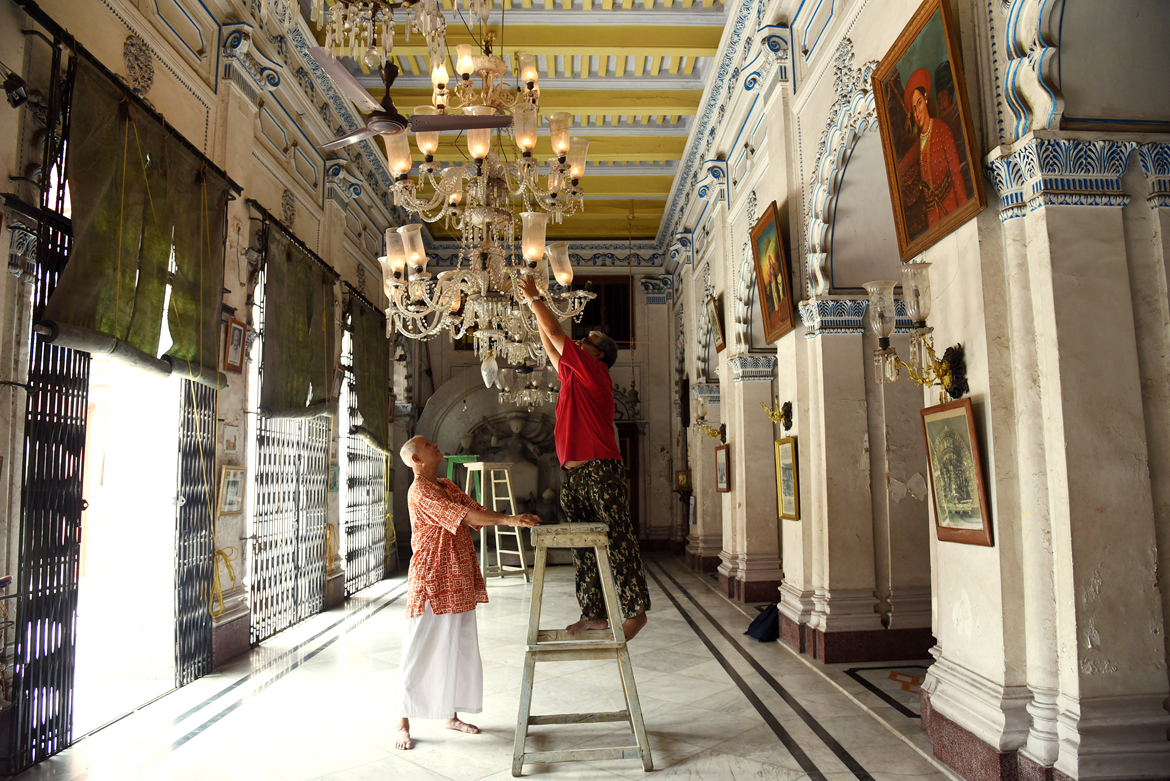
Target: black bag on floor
column 766, row 626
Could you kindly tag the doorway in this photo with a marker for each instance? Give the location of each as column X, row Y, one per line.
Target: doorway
column 125, row 606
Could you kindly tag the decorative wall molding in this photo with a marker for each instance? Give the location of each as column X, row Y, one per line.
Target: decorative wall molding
column 1033, row 94
column 1155, row 160
column 851, row 114
column 681, row 251
column 995, row 714
column 288, row 209
column 1041, row 170
column 244, row 65
column 139, row 63
column 659, row 289
column 745, row 297
column 751, row 368
column 770, row 65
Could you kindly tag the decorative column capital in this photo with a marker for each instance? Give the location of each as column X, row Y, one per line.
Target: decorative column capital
column 707, row 392
column 659, row 289
column 751, row 368
column 340, row 185
column 1155, row 160
column 1041, row 170
column 681, row 252
column 712, row 180
column 825, row 316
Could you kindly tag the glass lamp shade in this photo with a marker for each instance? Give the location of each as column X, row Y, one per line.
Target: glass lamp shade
column 439, row 75
column 397, row 152
column 534, row 224
column 455, row 198
column 428, row 141
column 882, row 314
column 578, row 147
column 395, row 252
column 489, row 370
column 416, row 253
column 916, row 291
column 525, row 119
column 558, row 255
column 479, row 142
column 528, row 72
column 463, row 62
column 558, row 124
column 507, row 379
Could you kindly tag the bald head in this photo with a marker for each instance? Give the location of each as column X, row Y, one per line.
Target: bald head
column 409, row 450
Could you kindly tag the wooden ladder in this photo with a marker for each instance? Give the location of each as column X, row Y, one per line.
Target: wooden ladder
column 555, row 645
column 496, row 494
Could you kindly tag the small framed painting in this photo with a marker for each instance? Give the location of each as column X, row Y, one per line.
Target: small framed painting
column 231, row 438
column 722, row 469
column 772, row 276
column 933, row 159
column 787, row 479
column 233, row 352
column 716, row 325
column 334, row 478
column 231, row 490
column 682, row 479
column 956, row 474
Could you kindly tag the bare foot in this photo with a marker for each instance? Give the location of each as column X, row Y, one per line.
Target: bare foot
column 600, row 623
column 461, row 726
column 402, row 736
column 632, row 626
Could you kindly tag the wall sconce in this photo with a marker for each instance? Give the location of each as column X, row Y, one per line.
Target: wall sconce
column 703, row 427
column 924, row 367
column 781, row 414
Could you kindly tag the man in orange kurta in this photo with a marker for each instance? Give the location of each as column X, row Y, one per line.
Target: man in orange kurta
column 441, row 672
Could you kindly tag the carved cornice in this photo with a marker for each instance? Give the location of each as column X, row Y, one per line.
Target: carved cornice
column 712, row 182
column 1045, row 171
column 707, row 392
column 835, row 316
column 340, row 184
column 244, row 65
column 1155, row 160
column 1032, row 88
column 658, row 290
column 751, row 368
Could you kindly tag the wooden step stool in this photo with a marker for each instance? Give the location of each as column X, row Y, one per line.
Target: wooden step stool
column 555, row 645
column 494, row 492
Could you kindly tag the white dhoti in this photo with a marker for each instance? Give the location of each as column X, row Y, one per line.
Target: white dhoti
column 441, row 671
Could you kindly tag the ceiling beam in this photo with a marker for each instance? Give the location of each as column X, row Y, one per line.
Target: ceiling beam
column 551, row 40
column 584, row 102
column 609, row 149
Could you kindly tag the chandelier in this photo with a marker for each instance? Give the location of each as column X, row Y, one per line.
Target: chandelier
column 527, row 386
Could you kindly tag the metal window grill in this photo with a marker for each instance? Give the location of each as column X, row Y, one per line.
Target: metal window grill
column 290, row 495
column 194, row 532
column 51, row 492
column 363, row 475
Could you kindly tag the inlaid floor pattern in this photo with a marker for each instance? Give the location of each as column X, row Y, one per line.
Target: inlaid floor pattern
column 316, row 702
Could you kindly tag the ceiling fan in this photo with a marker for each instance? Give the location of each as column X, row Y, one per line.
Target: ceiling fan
column 383, row 118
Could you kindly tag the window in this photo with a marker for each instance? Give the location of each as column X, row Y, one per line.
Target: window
column 611, row 312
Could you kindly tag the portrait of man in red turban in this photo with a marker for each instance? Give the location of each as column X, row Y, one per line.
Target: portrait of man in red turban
column 930, row 174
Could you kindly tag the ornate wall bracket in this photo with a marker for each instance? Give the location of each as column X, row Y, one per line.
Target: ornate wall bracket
column 1155, row 160
column 659, row 289
column 712, row 182
column 340, row 184
column 770, row 65
column 244, row 65
column 1041, row 170
column 681, row 252
column 1032, row 91
column 852, row 113
column 752, row 368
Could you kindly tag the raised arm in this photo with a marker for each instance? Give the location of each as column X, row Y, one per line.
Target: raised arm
column 552, row 336
column 489, row 518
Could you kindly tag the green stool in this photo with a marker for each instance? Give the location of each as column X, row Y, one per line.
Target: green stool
column 453, row 461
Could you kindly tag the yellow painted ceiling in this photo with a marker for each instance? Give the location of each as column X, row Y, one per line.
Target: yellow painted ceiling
column 631, row 73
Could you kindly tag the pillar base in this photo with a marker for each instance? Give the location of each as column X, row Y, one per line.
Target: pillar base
column 334, row 589
column 966, row 754
column 700, row 563
column 230, row 638
column 879, row 645
column 794, row 634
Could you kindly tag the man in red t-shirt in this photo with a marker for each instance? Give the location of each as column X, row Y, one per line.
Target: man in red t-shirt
column 594, row 488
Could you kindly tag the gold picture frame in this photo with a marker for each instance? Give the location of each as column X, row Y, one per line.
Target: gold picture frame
column 787, row 480
column 772, row 276
column 956, row 474
column 920, row 83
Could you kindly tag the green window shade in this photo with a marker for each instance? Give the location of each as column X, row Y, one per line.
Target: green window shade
column 299, row 351
column 371, row 368
column 110, row 296
column 198, row 200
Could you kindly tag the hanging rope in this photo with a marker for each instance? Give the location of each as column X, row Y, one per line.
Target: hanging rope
column 225, row 556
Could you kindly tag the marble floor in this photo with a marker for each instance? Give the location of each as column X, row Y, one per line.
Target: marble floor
column 316, row 702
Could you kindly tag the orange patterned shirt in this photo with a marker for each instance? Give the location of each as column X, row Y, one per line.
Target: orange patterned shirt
column 443, row 569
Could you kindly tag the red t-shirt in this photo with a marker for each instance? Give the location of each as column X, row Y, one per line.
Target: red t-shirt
column 584, row 428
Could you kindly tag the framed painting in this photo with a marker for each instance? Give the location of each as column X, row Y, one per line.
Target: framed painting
column 772, row 277
column 722, row 469
column 787, row 479
column 716, row 325
column 932, row 154
column 956, row 474
column 231, row 490
column 682, row 479
column 233, row 352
